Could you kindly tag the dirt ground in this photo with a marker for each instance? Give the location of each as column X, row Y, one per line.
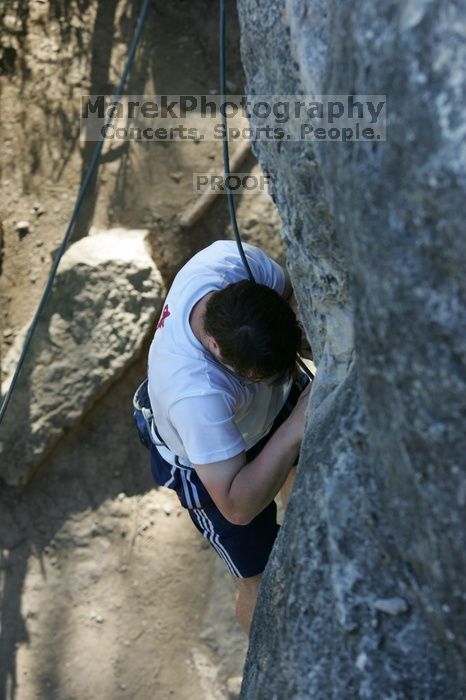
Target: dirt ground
column 107, row 590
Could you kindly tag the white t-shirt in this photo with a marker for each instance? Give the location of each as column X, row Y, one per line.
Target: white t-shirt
column 203, row 411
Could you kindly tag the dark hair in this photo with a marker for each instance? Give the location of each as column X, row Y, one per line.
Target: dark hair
column 256, row 330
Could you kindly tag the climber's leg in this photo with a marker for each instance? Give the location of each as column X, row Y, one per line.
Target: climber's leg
column 245, row 599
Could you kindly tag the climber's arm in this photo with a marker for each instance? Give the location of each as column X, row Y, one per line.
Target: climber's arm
column 240, row 489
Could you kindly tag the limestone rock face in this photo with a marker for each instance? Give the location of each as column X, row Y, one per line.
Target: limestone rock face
column 364, row 595
column 107, row 294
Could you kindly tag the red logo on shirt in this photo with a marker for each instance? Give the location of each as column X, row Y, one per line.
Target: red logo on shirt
column 165, row 314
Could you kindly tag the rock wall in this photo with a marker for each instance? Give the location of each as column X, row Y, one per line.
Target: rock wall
column 364, row 594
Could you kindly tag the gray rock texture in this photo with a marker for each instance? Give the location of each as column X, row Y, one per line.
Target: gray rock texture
column 364, row 595
column 107, row 294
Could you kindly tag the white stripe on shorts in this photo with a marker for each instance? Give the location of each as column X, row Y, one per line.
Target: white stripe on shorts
column 205, row 523
column 200, row 517
column 194, row 490
column 187, row 495
column 208, row 526
column 218, row 543
column 172, row 478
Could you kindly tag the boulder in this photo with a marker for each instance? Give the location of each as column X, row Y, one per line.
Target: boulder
column 106, row 297
column 364, row 595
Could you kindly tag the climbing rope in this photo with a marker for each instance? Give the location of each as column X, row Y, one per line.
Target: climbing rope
column 84, row 187
column 226, row 159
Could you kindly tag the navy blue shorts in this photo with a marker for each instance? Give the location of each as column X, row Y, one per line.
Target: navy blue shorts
column 245, row 549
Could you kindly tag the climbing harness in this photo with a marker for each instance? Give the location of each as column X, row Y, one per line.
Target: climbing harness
column 147, row 429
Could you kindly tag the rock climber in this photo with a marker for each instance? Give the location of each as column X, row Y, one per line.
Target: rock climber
column 223, row 408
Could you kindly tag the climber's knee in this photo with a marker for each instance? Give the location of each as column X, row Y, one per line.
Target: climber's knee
column 245, row 599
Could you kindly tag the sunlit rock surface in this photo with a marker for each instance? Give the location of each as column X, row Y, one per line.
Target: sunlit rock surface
column 364, row 596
